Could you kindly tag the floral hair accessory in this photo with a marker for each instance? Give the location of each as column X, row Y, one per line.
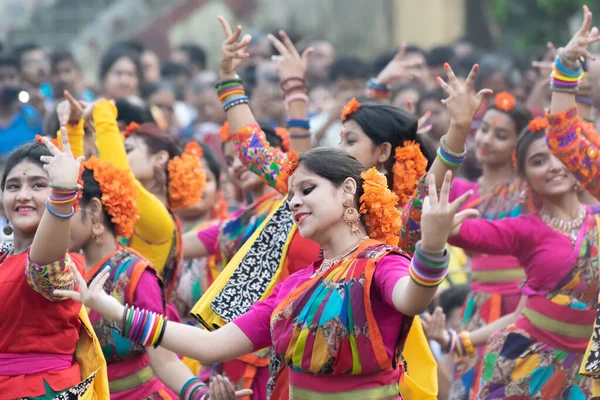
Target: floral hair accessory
column 292, row 163
column 284, row 135
column 537, row 124
column 409, row 167
column 194, row 148
column 378, row 204
column 220, row 209
column 187, row 181
column 350, row 108
column 118, row 194
column 56, row 141
column 225, row 132
column 131, row 128
column 505, row 101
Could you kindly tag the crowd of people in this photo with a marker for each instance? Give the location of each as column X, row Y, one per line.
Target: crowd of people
column 299, row 225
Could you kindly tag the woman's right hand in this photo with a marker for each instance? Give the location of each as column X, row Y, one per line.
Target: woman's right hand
column 290, row 64
column 94, row 296
column 62, row 167
column 220, row 388
column 232, row 51
column 586, row 35
column 434, row 327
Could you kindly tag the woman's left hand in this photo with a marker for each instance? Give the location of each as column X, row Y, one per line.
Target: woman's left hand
column 290, row 64
column 220, row 388
column 232, row 51
column 440, row 216
column 62, row 168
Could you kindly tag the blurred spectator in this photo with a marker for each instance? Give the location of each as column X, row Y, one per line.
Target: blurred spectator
column 349, row 74
column 436, row 57
column 66, row 75
column 179, row 75
column 191, row 55
column 418, row 56
column 209, row 111
column 161, row 98
column 132, row 110
column 150, row 66
column 121, row 73
column 439, row 119
column 406, row 96
column 35, row 73
column 267, row 97
column 320, row 62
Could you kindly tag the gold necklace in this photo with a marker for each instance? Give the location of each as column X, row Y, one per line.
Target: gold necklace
column 328, row 262
column 568, row 227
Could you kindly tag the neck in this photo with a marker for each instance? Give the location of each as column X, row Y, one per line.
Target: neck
column 21, row 243
column 94, row 252
column 158, row 190
column 341, row 241
column 563, row 207
column 260, row 192
column 496, row 175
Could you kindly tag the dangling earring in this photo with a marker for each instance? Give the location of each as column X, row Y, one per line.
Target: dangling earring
column 7, row 230
column 98, row 232
column 577, row 187
column 523, row 196
column 351, row 216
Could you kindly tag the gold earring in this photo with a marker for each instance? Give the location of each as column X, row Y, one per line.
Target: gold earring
column 523, row 196
column 351, row 216
column 7, row 230
column 98, row 232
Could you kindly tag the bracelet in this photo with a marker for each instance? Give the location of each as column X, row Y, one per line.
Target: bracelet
column 295, row 97
column 65, row 188
column 447, row 160
column 193, row 389
column 62, row 199
column 452, row 343
column 235, row 80
column 236, row 90
column 143, row 327
column 298, row 123
column 295, row 88
column 57, row 214
column 427, row 270
column 291, row 79
column 449, row 152
column 584, row 100
column 372, row 84
column 464, row 346
column 235, row 102
column 568, row 64
column 304, row 135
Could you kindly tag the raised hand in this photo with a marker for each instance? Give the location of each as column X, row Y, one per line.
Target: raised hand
column 62, row 168
column 586, row 35
column 462, row 103
column 233, row 50
column 220, row 388
column 434, row 327
column 290, row 64
column 440, row 216
column 398, row 69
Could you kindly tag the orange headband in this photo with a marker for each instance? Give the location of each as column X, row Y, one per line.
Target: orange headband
column 131, row 128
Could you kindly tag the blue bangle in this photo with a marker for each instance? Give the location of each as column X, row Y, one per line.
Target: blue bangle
column 371, row 84
column 566, row 71
column 298, row 123
column 57, row 214
column 229, row 102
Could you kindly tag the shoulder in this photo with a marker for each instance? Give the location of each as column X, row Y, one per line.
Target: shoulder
column 382, row 251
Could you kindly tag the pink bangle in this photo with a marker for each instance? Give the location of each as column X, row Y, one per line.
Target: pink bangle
column 295, row 97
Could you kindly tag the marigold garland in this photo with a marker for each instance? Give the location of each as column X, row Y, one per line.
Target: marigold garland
column 194, row 148
column 350, row 108
column 505, row 101
column 118, row 194
column 284, row 135
column 225, row 132
column 537, row 124
column 409, row 167
column 378, row 204
column 187, row 181
column 131, row 128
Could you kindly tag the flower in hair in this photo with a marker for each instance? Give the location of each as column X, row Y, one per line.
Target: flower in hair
column 505, row 101
column 537, row 124
column 131, row 128
column 284, row 135
column 292, row 163
column 350, row 108
column 118, row 194
column 225, row 132
column 187, row 181
column 194, row 148
column 378, row 204
column 56, row 141
column 409, row 167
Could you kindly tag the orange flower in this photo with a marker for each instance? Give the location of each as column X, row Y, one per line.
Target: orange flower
column 131, row 128
column 537, row 124
column 292, row 162
column 225, row 132
column 505, row 101
column 118, row 194
column 56, row 141
column 350, row 108
column 187, row 181
column 378, row 203
column 284, row 135
column 409, row 167
column 194, row 148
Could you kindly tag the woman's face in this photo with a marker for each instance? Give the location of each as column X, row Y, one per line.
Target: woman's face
column 209, row 196
column 356, row 143
column 546, row 175
column 165, row 99
column 121, row 80
column 242, row 177
column 316, row 204
column 496, row 139
column 140, row 160
column 25, row 193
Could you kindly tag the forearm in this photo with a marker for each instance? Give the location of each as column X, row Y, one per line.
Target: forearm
column 455, row 141
column 51, row 239
column 300, row 136
column 193, row 247
column 481, row 336
column 169, row 368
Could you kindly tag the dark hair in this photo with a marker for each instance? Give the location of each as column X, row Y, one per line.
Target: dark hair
column 173, row 70
column 411, row 48
column 349, row 67
column 196, row 54
column 22, row 49
column 435, row 95
column 439, row 55
column 30, row 152
column 382, row 61
column 334, row 165
column 404, row 87
column 211, row 159
column 158, row 140
column 525, row 139
column 60, row 56
column 114, row 54
column 8, row 60
column 150, row 89
column 491, row 64
column 384, row 123
column 129, row 112
column 91, row 189
column 519, row 114
column 454, row 297
column 133, row 45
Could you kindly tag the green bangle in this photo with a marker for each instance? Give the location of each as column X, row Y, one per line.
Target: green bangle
column 446, row 162
column 130, row 314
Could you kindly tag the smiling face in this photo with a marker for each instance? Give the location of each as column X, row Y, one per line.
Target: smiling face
column 122, row 79
column 242, row 177
column 546, row 175
column 496, row 139
column 25, row 193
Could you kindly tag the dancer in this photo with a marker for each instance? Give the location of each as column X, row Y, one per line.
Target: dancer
column 327, row 190
column 48, row 347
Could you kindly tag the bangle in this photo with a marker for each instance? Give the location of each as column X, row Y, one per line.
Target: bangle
column 66, row 188
column 298, row 123
column 584, row 100
column 63, row 199
column 295, row 97
column 567, row 63
column 448, row 161
column 193, row 389
column 57, row 214
column 143, row 327
column 452, row 342
column 304, row 135
column 464, row 346
column 295, row 88
column 372, row 84
column 222, row 83
column 233, row 91
column 235, row 102
column 291, row 79
column 427, row 270
column 449, row 152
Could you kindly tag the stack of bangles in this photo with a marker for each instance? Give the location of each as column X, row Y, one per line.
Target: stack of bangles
column 194, row 389
column 428, row 270
column 231, row 93
column 377, row 91
column 460, row 344
column 294, row 89
column 143, row 327
column 448, row 157
column 62, row 194
column 565, row 75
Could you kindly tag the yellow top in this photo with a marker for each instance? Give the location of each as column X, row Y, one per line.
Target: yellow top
column 153, row 233
column 76, row 134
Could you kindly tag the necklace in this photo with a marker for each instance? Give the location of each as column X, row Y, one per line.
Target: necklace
column 328, row 262
column 568, row 227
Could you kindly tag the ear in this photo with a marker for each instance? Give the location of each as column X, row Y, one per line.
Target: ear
column 95, row 210
column 350, row 186
column 161, row 159
column 385, row 152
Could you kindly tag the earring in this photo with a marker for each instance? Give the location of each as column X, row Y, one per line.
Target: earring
column 351, row 216
column 98, row 232
column 7, row 230
column 523, row 196
column 577, row 187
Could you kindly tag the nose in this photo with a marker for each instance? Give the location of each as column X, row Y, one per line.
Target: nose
column 555, row 164
column 24, row 194
column 236, row 164
column 295, row 203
